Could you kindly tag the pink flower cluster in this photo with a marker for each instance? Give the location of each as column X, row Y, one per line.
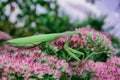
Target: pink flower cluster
column 30, row 62
column 4, row 48
column 90, row 39
column 100, row 70
column 114, row 60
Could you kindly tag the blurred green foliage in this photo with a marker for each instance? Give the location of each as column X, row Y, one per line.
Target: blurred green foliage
column 47, row 22
column 116, row 44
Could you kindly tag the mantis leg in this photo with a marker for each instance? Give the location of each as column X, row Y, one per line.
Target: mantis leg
column 71, row 54
column 77, row 52
column 66, row 48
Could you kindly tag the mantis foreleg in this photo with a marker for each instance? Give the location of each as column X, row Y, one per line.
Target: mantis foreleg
column 66, row 48
column 77, row 52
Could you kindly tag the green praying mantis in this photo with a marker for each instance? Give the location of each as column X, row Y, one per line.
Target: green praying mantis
column 27, row 42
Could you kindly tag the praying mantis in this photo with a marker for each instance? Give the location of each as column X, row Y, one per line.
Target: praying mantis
column 27, row 42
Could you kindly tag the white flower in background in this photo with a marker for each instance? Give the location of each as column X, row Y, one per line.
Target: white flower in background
column 40, row 9
column 78, row 9
column 111, row 9
column 81, row 9
column 111, row 23
column 12, row 14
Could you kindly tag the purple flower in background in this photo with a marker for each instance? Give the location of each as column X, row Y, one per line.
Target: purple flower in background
column 4, row 48
column 4, row 36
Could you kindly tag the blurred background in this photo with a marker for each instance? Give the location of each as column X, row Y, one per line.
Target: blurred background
column 29, row 17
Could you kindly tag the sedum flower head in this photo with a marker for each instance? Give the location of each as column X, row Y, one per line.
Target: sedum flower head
column 88, row 39
column 99, row 70
column 26, row 63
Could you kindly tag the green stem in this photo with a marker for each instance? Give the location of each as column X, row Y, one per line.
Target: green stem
column 89, row 55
